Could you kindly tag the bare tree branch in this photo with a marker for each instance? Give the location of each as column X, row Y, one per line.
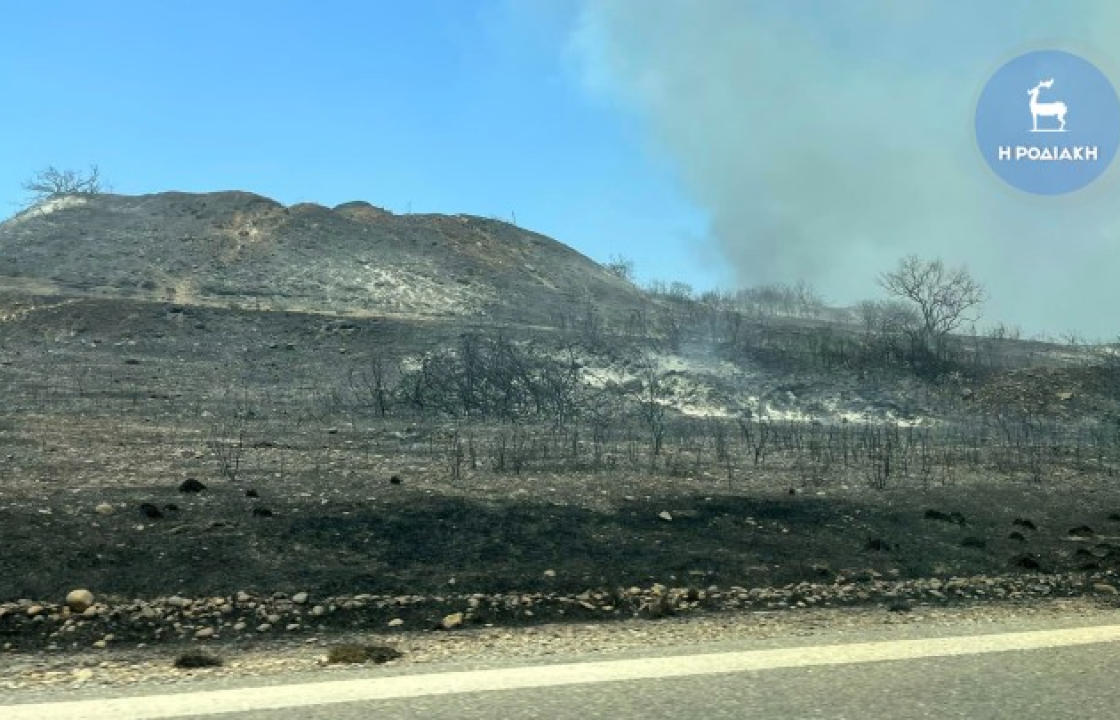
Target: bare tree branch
column 945, row 298
column 52, row 182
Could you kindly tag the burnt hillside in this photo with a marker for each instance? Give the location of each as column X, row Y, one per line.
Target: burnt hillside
column 355, row 258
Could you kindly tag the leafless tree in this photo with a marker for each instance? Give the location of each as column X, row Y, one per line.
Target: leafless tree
column 651, row 402
column 887, row 325
column 227, row 445
column 621, row 267
column 799, row 300
column 945, row 298
column 680, row 290
column 373, row 383
column 53, row 182
column 1004, row 332
column 885, row 317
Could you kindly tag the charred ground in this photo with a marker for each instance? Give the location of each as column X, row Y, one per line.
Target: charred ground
column 603, row 438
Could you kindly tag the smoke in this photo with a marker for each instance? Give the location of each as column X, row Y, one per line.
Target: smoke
column 828, row 139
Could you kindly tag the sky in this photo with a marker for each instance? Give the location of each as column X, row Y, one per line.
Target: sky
column 721, row 143
column 421, row 106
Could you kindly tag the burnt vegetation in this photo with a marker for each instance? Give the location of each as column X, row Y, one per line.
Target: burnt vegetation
column 752, row 438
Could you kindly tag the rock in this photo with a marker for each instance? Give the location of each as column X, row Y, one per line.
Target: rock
column 251, row 493
column 396, row 622
column 664, row 515
column 243, row 596
column 196, row 659
column 100, row 644
column 657, row 606
column 1024, row 523
column 1081, row 531
column 1063, row 396
column 318, row 611
column 83, row 674
column 1025, row 561
column 104, row 509
column 299, row 598
column 262, row 512
column 150, row 511
column 35, row 610
column 190, row 485
column 550, row 573
column 1016, row 535
column 204, row 633
column 239, row 626
column 146, row 613
column 395, row 480
column 353, row 653
column 1104, row 588
column 292, row 626
column 79, row 600
column 452, row 621
column 264, row 627
column 953, row 517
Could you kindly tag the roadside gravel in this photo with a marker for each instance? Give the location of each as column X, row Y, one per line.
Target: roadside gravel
column 284, row 655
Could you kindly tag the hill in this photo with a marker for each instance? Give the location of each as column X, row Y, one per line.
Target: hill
column 356, row 258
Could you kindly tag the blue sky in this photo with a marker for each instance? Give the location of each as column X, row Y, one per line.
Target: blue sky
column 475, row 107
column 722, row 143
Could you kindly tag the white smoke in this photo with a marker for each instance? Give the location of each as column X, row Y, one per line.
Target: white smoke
column 828, row 139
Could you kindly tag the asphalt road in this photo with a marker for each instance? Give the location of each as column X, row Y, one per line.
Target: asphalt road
column 1054, row 670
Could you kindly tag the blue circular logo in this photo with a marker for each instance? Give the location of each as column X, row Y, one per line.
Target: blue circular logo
column 1048, row 122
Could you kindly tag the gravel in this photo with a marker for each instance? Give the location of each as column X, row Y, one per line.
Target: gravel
column 125, row 666
column 40, row 626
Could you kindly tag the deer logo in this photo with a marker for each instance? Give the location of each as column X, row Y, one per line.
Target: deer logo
column 1046, row 109
column 1018, row 151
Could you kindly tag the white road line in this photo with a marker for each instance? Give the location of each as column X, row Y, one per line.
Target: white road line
column 212, row 702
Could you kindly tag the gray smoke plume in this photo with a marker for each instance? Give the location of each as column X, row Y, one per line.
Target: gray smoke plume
column 829, row 138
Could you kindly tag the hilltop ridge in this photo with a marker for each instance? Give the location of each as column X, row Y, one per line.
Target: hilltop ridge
column 356, row 257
